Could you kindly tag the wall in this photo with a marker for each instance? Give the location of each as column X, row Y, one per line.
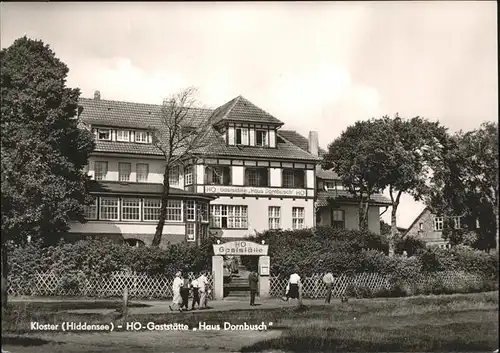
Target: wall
column 427, row 234
column 130, row 230
column 351, row 217
column 258, row 213
column 156, row 169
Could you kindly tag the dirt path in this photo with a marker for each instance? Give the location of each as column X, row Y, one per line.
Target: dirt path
column 145, row 342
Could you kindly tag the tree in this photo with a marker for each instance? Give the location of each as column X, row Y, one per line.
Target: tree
column 350, row 156
column 394, row 154
column 183, row 130
column 406, row 150
column 43, row 151
column 465, row 183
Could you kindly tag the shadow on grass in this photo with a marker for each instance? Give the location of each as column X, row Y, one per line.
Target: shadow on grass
column 456, row 337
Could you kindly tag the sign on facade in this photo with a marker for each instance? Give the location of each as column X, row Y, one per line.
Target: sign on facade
column 242, row 247
column 248, row 190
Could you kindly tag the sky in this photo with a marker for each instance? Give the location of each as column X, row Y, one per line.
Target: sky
column 315, row 66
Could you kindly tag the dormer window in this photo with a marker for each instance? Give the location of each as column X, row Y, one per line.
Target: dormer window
column 141, row 136
column 104, row 134
column 123, row 135
column 334, row 185
column 242, row 136
column 261, row 138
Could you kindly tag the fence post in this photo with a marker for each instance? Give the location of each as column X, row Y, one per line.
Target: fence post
column 125, row 302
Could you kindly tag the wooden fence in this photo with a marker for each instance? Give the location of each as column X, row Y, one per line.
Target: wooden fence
column 143, row 286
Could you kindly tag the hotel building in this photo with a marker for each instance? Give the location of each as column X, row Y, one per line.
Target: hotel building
column 253, row 176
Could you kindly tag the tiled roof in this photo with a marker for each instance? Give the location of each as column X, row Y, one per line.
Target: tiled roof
column 131, row 115
column 241, row 109
column 298, row 140
column 139, row 115
column 303, row 143
column 342, row 195
column 141, row 189
column 127, row 147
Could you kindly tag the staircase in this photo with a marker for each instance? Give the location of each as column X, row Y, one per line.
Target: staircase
column 238, row 287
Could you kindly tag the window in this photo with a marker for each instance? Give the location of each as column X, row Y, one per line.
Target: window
column 338, row 219
column 131, row 209
column 188, row 175
column 173, row 176
column 298, row 217
column 190, row 211
column 101, row 169
column 108, row 209
column 202, row 211
column 174, row 211
column 293, row 178
column 274, row 214
column 241, row 136
column 151, row 209
column 438, row 223
column 124, row 170
column 91, row 210
column 261, row 138
column 218, row 175
column 456, row 222
column 256, row 177
column 123, row 135
column 477, row 223
column 420, row 227
column 141, row 136
column 229, row 216
column 142, row 171
column 202, row 231
column 190, row 234
column 104, row 134
column 334, row 185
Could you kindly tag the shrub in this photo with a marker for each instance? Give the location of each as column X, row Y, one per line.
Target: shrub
column 358, row 291
column 409, row 244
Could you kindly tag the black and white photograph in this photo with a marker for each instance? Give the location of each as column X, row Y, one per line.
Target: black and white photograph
column 269, row 177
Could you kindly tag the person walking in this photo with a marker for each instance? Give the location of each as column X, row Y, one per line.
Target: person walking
column 196, row 293
column 328, row 281
column 202, row 284
column 253, row 282
column 176, row 289
column 293, row 287
column 185, row 293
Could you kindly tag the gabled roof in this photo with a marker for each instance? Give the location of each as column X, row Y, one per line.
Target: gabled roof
column 240, row 109
column 142, row 116
column 425, row 210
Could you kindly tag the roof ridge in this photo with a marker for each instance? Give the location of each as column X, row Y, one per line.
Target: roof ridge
column 138, row 103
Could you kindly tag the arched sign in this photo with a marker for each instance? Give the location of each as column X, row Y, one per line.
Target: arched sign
column 240, row 247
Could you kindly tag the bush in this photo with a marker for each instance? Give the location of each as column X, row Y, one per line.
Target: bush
column 101, row 257
column 357, row 291
column 409, row 244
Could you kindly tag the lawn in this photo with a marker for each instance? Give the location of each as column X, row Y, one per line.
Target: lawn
column 467, row 322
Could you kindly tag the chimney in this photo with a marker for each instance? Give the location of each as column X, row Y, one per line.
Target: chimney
column 97, row 95
column 313, row 143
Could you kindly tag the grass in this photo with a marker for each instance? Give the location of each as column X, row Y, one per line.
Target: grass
column 462, row 322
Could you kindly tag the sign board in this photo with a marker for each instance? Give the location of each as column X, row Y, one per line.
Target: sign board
column 254, row 191
column 242, row 247
column 264, row 265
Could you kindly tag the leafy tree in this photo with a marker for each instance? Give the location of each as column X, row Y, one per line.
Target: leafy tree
column 385, row 229
column 465, row 182
column 43, row 151
column 181, row 132
column 388, row 153
column 351, row 157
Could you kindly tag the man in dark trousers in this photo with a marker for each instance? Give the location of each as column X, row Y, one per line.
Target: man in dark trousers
column 253, row 282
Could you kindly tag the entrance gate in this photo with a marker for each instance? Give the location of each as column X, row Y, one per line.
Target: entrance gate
column 238, row 248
